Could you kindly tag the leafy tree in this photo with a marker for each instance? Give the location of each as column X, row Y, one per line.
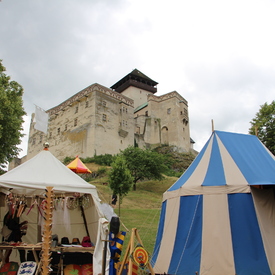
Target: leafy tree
column 120, row 179
column 263, row 125
column 11, row 117
column 144, row 164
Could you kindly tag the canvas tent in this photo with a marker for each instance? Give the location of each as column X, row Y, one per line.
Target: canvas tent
column 78, row 166
column 31, row 178
column 219, row 217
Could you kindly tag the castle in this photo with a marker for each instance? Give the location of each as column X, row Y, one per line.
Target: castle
column 100, row 120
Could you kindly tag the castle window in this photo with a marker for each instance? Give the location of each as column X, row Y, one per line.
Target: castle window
column 104, row 103
column 75, row 122
column 76, row 109
column 87, row 104
column 169, row 111
column 58, row 131
column 66, row 127
column 104, row 117
column 181, row 112
column 126, row 110
column 146, row 113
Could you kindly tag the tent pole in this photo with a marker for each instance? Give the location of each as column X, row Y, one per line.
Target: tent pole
column 84, row 218
column 212, row 123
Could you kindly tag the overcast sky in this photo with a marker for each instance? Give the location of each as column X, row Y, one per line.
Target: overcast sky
column 218, row 54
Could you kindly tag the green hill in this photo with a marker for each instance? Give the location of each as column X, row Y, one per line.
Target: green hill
column 139, row 209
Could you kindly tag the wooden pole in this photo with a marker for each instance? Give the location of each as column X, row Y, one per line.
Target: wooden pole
column 130, row 268
column 47, row 233
column 212, row 123
column 129, row 251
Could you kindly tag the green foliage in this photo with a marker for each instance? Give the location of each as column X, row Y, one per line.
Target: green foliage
column 264, row 125
column 106, row 159
column 176, row 162
column 11, row 117
column 119, row 177
column 102, row 171
column 67, row 160
column 144, row 164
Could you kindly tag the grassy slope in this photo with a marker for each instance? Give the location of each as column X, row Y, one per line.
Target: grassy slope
column 139, row 209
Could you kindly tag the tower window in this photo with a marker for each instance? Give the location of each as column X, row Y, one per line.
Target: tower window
column 75, row 122
column 66, row 127
column 58, row 131
column 169, row 111
column 76, row 109
column 104, row 103
column 104, row 117
column 87, row 104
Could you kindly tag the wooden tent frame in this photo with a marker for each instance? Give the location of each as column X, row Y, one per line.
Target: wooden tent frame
column 129, row 251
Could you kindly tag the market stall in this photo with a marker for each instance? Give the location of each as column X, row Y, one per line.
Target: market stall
column 75, row 203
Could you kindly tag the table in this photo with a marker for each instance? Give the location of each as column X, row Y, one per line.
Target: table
column 32, row 248
column 37, row 247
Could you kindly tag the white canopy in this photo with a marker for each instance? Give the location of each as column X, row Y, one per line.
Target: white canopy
column 31, row 179
column 33, row 176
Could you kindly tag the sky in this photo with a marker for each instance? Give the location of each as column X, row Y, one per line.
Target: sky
column 218, row 54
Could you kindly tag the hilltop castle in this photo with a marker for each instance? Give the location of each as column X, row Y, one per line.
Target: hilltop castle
column 100, row 120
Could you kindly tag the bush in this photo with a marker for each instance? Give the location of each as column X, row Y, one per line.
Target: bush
column 106, row 159
column 102, row 171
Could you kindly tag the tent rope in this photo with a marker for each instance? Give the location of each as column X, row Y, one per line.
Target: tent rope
column 189, row 232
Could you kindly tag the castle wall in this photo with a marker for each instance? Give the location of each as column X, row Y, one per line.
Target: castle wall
column 137, row 94
column 98, row 120
column 95, row 121
column 165, row 121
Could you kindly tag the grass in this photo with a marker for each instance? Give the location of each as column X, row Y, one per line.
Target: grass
column 140, row 209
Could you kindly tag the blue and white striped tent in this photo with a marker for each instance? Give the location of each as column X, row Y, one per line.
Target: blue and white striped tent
column 219, row 217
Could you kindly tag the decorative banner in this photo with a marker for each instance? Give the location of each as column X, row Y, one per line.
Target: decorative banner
column 140, row 256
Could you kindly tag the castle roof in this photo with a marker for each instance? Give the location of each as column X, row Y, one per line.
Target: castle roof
column 137, row 79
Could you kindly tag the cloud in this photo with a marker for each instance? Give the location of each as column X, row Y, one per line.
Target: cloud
column 217, row 54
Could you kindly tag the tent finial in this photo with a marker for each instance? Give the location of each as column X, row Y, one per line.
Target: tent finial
column 212, row 122
column 46, row 145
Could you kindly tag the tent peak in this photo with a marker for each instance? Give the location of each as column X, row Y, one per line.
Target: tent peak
column 46, row 146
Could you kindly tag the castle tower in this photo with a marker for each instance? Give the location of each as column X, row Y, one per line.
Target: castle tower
column 136, row 86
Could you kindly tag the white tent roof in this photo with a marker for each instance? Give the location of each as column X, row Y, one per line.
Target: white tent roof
column 41, row 171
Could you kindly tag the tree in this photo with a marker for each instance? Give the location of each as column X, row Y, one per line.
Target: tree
column 120, row 179
column 11, row 117
column 144, row 164
column 263, row 125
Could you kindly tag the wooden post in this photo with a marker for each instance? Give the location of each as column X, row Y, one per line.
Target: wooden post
column 47, row 233
column 129, row 251
column 212, row 123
